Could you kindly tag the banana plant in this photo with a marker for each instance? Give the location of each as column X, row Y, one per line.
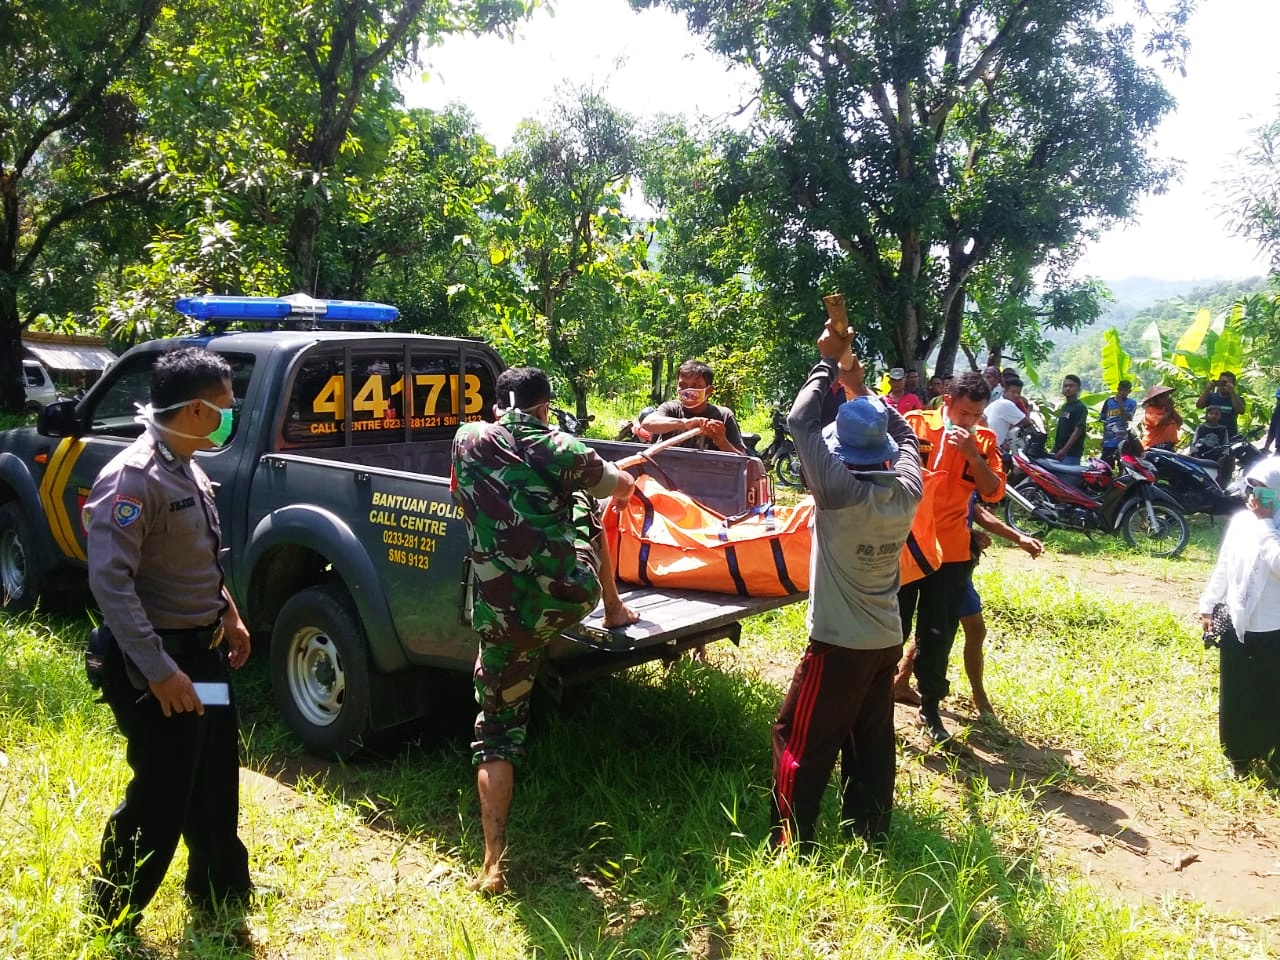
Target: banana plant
column 1210, row 346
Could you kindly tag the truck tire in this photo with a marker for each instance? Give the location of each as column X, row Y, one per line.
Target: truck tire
column 20, row 580
column 320, row 671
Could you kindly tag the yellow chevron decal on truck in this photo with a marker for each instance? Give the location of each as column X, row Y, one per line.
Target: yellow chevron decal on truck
column 52, row 487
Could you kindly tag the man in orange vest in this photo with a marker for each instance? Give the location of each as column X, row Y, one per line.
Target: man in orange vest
column 952, row 441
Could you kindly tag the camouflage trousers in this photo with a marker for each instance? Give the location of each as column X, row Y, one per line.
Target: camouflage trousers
column 512, row 649
column 504, row 679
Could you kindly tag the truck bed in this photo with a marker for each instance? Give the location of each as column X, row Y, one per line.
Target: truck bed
column 670, row 615
column 671, row 621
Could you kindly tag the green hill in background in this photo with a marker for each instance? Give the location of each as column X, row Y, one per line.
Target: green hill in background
column 1139, row 301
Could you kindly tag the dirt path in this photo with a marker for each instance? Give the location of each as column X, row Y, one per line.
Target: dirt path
column 1122, row 836
column 1167, row 584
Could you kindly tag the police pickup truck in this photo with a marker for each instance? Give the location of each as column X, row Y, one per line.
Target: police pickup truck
column 343, row 545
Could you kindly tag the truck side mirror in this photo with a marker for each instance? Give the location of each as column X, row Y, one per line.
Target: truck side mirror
column 58, row 419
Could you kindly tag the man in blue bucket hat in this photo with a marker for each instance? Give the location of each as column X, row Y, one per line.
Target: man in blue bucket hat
column 864, row 472
column 859, row 437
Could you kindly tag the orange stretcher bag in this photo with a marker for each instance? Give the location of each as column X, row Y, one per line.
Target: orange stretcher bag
column 666, row 539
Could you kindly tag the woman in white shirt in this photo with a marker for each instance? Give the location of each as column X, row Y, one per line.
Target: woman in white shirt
column 1246, row 582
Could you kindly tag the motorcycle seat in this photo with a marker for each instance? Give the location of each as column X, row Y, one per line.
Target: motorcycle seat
column 1061, row 469
column 1157, row 454
column 1207, row 464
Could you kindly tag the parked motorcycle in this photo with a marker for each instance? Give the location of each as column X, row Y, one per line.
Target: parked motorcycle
column 1123, row 501
column 571, row 424
column 1194, row 482
column 631, row 430
column 780, row 455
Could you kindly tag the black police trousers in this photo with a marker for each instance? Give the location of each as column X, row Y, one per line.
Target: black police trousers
column 935, row 601
column 185, row 784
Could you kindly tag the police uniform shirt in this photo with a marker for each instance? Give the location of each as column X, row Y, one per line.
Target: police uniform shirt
column 153, row 539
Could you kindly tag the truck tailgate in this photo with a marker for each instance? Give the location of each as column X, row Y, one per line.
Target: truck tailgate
column 667, row 616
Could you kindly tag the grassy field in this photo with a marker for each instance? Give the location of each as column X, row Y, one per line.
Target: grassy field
column 639, row 819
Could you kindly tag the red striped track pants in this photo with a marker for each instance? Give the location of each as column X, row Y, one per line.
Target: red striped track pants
column 840, row 702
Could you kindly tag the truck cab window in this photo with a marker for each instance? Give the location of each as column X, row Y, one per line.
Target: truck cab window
column 113, row 409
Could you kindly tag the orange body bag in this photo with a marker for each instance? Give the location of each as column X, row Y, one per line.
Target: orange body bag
column 666, row 539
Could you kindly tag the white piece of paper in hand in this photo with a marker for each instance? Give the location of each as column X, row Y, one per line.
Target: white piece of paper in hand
column 213, row 694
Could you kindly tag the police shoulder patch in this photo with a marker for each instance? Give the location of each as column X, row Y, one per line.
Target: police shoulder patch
column 126, row 510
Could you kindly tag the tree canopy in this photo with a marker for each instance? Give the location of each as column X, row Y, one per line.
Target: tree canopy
column 901, row 146
column 941, row 162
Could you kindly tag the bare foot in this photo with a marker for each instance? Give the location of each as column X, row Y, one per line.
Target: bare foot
column 489, row 883
column 984, row 705
column 619, row 616
column 902, row 693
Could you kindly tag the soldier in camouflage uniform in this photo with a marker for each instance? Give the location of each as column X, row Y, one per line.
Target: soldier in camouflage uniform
column 526, row 491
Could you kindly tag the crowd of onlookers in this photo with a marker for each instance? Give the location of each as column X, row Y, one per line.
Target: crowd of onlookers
column 1153, row 422
column 1159, row 425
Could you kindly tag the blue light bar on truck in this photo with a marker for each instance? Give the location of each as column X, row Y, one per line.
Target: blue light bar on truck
column 297, row 306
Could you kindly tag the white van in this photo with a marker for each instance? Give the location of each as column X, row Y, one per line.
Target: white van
column 39, row 384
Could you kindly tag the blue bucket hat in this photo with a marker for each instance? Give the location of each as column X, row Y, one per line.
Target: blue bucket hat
column 858, row 435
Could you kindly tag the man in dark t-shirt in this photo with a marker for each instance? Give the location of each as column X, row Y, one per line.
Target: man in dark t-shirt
column 719, row 426
column 1222, row 393
column 1068, row 439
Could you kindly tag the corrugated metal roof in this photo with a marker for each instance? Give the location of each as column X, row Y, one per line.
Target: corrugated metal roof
column 69, row 356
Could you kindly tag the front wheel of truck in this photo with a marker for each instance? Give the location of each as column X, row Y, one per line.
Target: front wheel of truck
column 20, row 580
column 320, row 671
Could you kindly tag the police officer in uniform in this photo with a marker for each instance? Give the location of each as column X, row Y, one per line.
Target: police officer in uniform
column 153, row 539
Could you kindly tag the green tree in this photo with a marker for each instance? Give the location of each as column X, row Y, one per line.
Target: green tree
column 276, row 129
column 413, row 231
column 342, row 51
column 1252, row 192
column 571, row 253
column 67, row 120
column 901, row 145
column 698, row 301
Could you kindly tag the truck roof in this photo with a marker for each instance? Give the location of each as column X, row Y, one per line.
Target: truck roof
column 263, row 340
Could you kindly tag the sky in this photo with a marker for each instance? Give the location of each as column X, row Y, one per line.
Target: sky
column 647, row 63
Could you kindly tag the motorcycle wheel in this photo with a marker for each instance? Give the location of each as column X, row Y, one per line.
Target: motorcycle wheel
column 1165, row 538
column 1017, row 516
column 786, row 470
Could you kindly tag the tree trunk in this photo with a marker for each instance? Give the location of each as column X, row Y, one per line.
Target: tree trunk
column 951, row 335
column 579, row 388
column 13, row 390
column 655, row 378
column 996, row 351
column 906, row 332
column 302, row 250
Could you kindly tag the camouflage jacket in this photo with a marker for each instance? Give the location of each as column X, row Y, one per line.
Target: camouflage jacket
column 516, row 481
